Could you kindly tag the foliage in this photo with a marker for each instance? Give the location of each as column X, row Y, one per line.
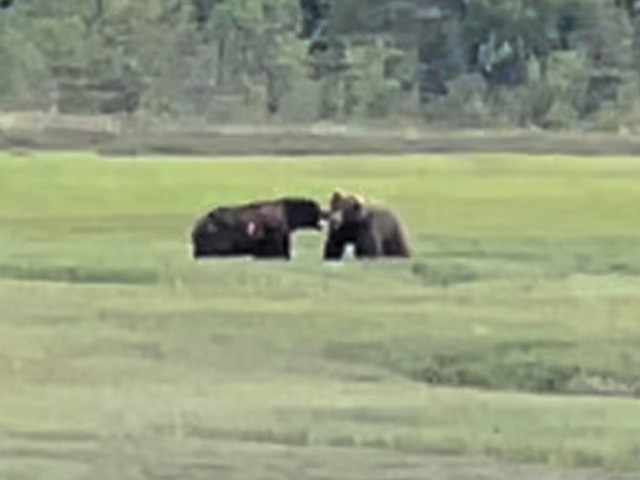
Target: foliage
column 240, row 59
column 24, row 70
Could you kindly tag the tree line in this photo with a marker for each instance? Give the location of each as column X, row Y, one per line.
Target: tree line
column 545, row 63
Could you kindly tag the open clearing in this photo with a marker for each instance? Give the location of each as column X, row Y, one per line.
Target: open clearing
column 508, row 347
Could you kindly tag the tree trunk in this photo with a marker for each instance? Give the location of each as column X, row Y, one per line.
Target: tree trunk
column 635, row 23
column 222, row 50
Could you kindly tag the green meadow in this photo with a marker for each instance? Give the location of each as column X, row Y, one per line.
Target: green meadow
column 508, row 346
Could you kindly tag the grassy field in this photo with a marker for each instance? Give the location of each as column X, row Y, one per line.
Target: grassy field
column 511, row 336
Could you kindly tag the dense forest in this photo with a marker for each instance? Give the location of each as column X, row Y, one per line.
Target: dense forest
column 552, row 64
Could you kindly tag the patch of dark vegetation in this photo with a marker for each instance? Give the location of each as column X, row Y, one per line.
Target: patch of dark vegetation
column 602, row 385
column 342, row 441
column 66, row 455
column 56, row 436
column 375, row 442
column 76, row 274
column 463, row 248
column 199, row 468
column 147, row 350
column 594, row 265
column 292, row 438
column 363, row 415
column 189, row 143
column 605, row 256
column 444, row 274
column 352, row 352
column 448, row 262
column 54, row 139
column 300, row 144
column 525, row 365
column 524, row 375
column 362, row 377
column 535, row 376
column 622, row 268
column 529, row 345
column 297, row 143
column 412, row 443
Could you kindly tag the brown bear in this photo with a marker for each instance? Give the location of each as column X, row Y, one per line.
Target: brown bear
column 374, row 231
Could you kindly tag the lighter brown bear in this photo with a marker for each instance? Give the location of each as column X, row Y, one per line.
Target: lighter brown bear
column 374, row 231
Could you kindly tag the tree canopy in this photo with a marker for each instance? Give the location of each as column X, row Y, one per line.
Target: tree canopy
column 550, row 63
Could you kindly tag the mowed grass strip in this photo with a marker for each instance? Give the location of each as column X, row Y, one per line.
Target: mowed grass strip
column 524, row 279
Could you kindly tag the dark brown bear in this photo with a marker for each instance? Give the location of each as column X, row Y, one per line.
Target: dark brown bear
column 260, row 229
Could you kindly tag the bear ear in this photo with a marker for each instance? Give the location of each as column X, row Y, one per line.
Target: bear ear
column 336, row 198
column 359, row 199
